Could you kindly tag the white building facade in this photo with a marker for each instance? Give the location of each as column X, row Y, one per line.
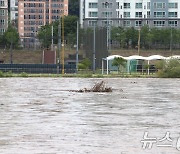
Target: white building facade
column 13, row 10
column 130, row 13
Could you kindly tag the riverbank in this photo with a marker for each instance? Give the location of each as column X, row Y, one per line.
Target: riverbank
column 132, row 75
column 35, row 56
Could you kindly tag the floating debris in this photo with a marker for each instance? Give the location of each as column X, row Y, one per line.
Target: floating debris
column 98, row 87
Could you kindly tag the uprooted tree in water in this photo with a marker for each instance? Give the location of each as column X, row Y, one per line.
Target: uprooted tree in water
column 98, row 87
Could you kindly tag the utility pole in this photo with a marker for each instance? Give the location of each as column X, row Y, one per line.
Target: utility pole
column 139, row 41
column 107, row 25
column 109, row 39
column 59, row 45
column 77, row 47
column 11, row 50
column 94, row 50
column 63, row 44
column 171, row 43
column 52, row 35
column 108, row 28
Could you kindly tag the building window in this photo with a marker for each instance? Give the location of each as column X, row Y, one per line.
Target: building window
column 106, row 14
column 173, row 23
column 159, row 23
column 138, row 23
column 127, row 15
column 127, row 6
column 2, row 30
column 93, row 14
column 172, row 14
column 159, row 14
column 138, row 5
column 2, row 22
column 148, row 5
column 2, row 3
column 93, row 5
column 107, row 5
column 92, row 23
column 173, row 5
column 158, row 5
column 138, row 14
column 118, row 5
column 105, row 22
column 2, row 12
column 148, row 14
column 127, row 23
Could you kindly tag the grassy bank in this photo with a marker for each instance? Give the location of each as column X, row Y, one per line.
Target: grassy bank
column 25, row 75
column 35, row 57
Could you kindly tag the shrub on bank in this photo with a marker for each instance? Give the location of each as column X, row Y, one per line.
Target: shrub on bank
column 6, row 74
column 1, row 74
column 169, row 69
column 23, row 74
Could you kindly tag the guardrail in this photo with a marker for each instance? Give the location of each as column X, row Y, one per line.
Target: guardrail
column 37, row 68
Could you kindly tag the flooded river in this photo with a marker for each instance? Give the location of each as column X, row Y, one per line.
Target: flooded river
column 40, row 116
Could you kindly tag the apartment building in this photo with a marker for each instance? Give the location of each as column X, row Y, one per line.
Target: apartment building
column 3, row 16
column 35, row 13
column 13, row 10
column 130, row 13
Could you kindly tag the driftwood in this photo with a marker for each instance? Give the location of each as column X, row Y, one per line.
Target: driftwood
column 98, row 87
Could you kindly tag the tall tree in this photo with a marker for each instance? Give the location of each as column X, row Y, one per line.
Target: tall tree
column 44, row 36
column 11, row 36
column 70, row 23
column 119, row 62
column 131, row 37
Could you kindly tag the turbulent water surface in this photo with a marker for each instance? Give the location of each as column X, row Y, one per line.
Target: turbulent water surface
column 40, row 116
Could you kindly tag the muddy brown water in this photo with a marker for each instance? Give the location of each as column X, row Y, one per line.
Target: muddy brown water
column 40, row 116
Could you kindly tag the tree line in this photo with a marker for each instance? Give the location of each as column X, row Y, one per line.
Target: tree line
column 151, row 38
column 45, row 33
column 125, row 38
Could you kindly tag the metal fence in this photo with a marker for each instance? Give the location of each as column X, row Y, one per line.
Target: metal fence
column 37, row 68
column 100, row 45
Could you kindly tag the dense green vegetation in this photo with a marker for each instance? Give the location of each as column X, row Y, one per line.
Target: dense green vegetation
column 169, row 69
column 10, row 38
column 70, row 23
column 119, row 63
column 127, row 38
column 153, row 38
column 85, row 64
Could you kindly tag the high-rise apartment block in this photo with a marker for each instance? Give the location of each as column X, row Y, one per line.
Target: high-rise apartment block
column 3, row 16
column 130, row 13
column 13, row 10
column 35, row 13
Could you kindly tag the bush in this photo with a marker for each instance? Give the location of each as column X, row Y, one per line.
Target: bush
column 81, row 66
column 9, row 74
column 23, row 74
column 1, row 74
column 169, row 69
column 85, row 64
